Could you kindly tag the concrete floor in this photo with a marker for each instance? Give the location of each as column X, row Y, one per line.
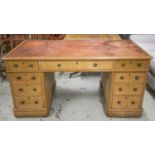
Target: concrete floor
column 75, row 99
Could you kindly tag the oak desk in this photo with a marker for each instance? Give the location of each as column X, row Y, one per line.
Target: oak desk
column 31, row 66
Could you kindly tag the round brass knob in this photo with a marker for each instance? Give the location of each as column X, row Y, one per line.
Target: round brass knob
column 18, row 78
column 31, row 65
column 22, row 102
column 36, row 102
column 123, row 65
column 120, row 89
column 139, row 65
column 118, row 102
column 20, row 89
column 34, row 89
column 15, row 65
column 33, row 77
column 132, row 102
column 136, row 77
column 58, row 65
column 95, row 65
column 134, row 89
column 121, row 77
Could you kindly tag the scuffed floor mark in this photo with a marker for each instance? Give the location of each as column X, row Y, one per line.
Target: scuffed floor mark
column 67, row 99
column 88, row 116
column 57, row 114
column 52, row 109
column 60, row 108
column 83, row 88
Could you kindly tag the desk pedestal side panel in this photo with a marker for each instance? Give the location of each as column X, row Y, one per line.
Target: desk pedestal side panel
column 122, row 95
column 32, row 93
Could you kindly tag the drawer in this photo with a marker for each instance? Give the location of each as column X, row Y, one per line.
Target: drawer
column 57, row 65
column 77, row 65
column 22, row 66
column 126, row 102
column 133, row 65
column 28, row 102
column 25, row 77
column 129, row 77
column 128, row 88
column 27, row 89
column 96, row 65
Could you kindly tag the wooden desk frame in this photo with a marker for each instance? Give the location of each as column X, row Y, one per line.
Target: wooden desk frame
column 122, row 82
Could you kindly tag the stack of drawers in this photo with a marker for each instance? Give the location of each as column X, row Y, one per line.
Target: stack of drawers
column 125, row 90
column 29, row 88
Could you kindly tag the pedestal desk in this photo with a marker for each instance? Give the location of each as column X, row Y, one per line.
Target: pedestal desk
column 123, row 66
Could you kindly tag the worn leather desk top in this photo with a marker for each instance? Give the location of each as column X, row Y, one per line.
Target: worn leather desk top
column 76, row 50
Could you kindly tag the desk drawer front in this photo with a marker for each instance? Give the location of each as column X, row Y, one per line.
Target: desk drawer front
column 129, row 77
column 22, row 66
column 25, row 77
column 28, row 102
column 128, row 88
column 96, row 65
column 27, row 89
column 77, row 65
column 126, row 102
column 134, row 65
column 57, row 65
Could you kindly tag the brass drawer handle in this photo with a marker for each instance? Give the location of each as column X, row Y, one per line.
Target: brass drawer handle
column 20, row 89
column 136, row 77
column 95, row 65
column 139, row 65
column 22, row 102
column 132, row 102
column 36, row 102
column 123, row 65
column 121, row 77
column 18, row 78
column 33, row 78
column 134, row 89
column 31, row 65
column 118, row 102
column 34, row 89
column 120, row 89
column 15, row 65
column 58, row 65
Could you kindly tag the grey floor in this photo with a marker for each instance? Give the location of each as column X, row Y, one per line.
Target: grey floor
column 75, row 99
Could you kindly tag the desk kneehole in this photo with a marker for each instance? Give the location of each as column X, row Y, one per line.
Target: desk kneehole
column 76, row 65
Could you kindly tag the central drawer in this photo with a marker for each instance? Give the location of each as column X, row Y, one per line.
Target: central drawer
column 27, row 89
column 75, row 65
